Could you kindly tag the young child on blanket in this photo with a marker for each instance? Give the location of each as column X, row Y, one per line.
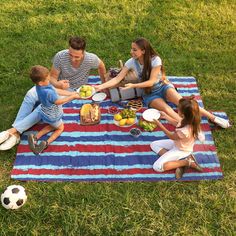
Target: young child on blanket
column 50, row 109
column 176, row 152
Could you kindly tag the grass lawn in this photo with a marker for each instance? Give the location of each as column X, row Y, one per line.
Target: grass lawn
column 194, row 38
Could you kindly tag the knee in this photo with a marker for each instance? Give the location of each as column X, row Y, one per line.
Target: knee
column 31, row 96
column 158, row 166
column 167, row 109
column 61, row 127
column 155, row 147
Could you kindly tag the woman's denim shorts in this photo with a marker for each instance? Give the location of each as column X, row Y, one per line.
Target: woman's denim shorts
column 159, row 92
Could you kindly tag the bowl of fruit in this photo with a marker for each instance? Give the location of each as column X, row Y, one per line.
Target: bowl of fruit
column 86, row 91
column 113, row 110
column 125, row 118
column 146, row 125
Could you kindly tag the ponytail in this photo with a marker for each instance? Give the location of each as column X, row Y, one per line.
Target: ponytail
column 190, row 110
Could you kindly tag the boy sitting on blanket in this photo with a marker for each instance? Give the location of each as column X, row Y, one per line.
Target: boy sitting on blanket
column 50, row 110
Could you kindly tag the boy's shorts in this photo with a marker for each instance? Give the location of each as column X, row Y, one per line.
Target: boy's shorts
column 56, row 124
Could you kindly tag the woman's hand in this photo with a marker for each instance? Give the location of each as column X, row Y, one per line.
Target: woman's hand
column 128, row 86
column 98, row 88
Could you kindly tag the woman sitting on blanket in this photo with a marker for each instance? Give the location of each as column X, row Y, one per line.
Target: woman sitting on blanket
column 157, row 89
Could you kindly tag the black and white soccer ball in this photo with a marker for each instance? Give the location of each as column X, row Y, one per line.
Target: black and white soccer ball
column 14, row 197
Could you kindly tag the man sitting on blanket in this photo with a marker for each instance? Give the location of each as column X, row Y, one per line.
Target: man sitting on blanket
column 70, row 70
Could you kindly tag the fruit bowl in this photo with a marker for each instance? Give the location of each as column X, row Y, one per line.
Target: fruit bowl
column 113, row 110
column 123, row 122
column 86, row 91
column 125, row 118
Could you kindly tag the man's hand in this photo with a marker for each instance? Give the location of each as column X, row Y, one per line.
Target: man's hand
column 64, row 84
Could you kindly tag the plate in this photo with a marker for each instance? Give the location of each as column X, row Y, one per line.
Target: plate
column 93, row 91
column 98, row 97
column 151, row 114
column 117, row 123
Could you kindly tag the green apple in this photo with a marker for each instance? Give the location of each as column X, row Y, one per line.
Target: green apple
column 82, row 94
column 88, row 93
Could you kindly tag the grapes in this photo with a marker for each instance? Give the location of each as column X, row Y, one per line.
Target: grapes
column 127, row 113
column 114, row 72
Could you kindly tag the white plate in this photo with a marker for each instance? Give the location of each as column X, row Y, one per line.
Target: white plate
column 151, row 114
column 117, row 123
column 98, row 97
column 93, row 92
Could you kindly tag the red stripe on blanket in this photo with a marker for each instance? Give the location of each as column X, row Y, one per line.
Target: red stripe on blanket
column 108, row 171
column 72, row 127
column 108, row 148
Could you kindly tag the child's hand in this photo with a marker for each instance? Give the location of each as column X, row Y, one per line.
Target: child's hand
column 163, row 115
column 76, row 96
column 157, row 122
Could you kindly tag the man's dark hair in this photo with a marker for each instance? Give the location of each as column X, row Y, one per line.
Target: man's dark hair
column 77, row 43
column 38, row 73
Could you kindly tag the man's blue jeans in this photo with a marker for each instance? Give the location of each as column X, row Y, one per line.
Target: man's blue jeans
column 28, row 114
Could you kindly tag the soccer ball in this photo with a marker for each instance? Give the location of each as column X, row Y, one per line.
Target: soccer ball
column 14, row 197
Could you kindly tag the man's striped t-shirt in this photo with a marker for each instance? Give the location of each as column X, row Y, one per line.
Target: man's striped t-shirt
column 76, row 76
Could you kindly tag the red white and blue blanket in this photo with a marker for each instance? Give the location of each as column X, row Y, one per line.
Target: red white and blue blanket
column 106, row 152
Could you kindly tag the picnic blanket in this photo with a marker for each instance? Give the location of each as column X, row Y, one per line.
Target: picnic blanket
column 106, row 152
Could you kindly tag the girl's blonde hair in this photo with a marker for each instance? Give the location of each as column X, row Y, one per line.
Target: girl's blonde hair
column 189, row 108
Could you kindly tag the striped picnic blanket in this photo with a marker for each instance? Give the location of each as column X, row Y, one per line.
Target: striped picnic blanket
column 106, row 152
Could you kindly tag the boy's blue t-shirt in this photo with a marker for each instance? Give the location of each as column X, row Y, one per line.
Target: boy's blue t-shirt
column 49, row 110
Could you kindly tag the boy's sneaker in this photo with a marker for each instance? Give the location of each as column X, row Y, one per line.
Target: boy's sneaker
column 223, row 123
column 32, row 142
column 40, row 147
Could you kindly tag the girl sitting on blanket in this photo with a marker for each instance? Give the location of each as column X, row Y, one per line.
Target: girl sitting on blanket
column 176, row 152
column 157, row 89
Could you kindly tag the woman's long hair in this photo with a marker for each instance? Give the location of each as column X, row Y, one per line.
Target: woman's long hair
column 143, row 44
column 189, row 108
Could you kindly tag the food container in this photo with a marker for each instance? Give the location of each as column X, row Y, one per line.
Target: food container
column 90, row 114
column 135, row 132
column 113, row 110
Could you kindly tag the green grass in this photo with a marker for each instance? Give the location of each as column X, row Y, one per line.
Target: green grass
column 194, row 38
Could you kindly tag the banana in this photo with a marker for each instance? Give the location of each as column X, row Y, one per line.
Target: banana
column 90, row 113
column 85, row 109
